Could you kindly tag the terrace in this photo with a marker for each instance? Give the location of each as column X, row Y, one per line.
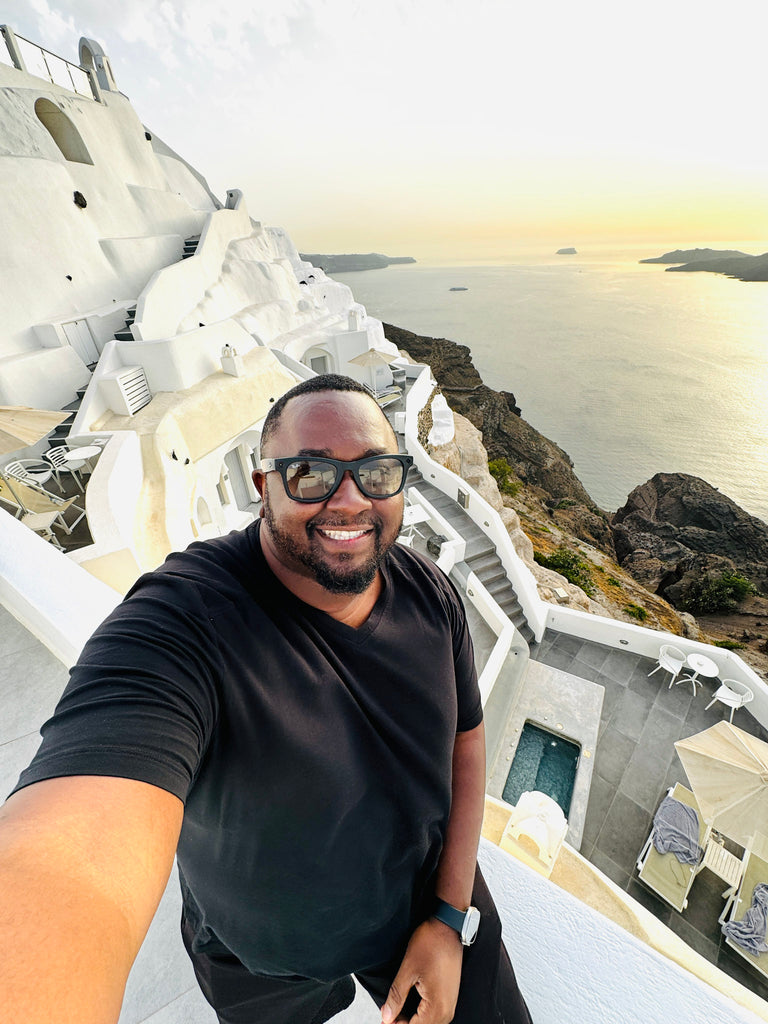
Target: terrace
column 635, row 762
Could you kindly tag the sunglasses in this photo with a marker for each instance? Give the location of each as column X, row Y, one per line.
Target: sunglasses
column 304, row 479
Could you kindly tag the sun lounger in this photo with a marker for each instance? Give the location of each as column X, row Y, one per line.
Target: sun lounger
column 26, row 498
column 755, row 873
column 663, row 873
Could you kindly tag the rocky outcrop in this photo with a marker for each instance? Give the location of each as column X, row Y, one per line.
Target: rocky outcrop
column 677, row 527
column 536, row 460
column 717, row 261
column 345, row 262
column 694, row 255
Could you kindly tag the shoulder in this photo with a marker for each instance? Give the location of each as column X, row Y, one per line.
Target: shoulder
column 407, row 566
column 211, row 574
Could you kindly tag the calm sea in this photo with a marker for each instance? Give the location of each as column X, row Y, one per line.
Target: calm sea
column 631, row 370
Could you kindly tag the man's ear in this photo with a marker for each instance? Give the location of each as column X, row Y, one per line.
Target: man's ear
column 259, row 481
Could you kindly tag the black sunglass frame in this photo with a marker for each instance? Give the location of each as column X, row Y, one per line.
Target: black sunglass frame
column 281, row 465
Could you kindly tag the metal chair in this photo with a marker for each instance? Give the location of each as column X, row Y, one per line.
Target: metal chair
column 733, row 694
column 31, row 471
column 670, row 659
column 57, row 458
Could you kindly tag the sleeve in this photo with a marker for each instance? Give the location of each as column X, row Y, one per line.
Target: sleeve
column 142, row 699
column 470, row 707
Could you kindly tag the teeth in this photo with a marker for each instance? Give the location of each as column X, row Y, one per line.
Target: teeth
column 343, row 534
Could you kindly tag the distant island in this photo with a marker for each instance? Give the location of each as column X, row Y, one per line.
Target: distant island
column 568, row 251
column 458, row 288
column 353, row 261
column 731, row 262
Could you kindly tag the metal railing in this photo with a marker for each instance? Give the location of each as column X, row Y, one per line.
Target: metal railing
column 36, row 60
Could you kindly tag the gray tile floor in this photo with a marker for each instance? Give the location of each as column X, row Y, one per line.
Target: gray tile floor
column 635, row 763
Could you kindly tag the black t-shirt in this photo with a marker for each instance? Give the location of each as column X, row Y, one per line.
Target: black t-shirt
column 314, row 759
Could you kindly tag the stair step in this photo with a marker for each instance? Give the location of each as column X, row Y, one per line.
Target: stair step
column 498, row 586
column 124, row 335
column 486, row 564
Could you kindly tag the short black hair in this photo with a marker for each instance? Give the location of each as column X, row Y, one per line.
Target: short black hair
column 321, row 382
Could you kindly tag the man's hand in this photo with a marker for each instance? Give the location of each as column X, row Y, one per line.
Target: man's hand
column 432, row 964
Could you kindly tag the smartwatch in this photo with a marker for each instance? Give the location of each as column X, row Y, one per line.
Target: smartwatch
column 465, row 922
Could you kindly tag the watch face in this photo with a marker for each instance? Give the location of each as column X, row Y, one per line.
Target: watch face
column 471, row 924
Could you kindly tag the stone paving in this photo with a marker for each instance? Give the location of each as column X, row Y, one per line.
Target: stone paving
column 635, row 764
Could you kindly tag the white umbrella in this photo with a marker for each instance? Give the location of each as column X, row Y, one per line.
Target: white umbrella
column 21, row 426
column 373, row 359
column 728, row 772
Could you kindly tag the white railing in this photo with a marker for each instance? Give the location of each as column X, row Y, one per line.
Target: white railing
column 36, row 60
column 641, row 640
column 452, row 551
column 453, row 548
column 477, row 508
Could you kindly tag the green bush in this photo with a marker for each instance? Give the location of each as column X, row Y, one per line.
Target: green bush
column 569, row 564
column 636, row 611
column 730, row 645
column 504, row 475
column 712, row 594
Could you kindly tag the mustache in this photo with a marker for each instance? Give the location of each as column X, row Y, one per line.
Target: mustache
column 323, row 522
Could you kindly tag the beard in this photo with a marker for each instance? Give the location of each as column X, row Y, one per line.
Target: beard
column 336, row 578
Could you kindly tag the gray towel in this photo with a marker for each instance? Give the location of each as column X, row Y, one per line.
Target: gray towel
column 676, row 830
column 750, row 932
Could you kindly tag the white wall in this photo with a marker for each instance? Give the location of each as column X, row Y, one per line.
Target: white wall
column 56, row 600
column 46, row 237
column 576, row 966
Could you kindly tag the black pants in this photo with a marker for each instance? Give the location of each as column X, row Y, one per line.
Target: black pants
column 488, row 993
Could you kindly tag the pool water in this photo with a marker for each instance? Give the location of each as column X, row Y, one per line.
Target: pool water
column 544, row 762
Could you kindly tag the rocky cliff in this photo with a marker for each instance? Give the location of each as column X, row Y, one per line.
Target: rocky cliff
column 536, row 460
column 676, row 525
column 636, row 565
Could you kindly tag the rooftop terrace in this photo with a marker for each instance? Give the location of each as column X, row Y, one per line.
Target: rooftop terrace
column 635, row 762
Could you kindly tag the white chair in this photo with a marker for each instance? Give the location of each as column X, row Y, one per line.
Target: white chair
column 733, row 694
column 535, row 831
column 670, row 660
column 57, row 457
column 32, row 471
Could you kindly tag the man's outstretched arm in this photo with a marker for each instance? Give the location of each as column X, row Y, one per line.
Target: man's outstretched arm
column 432, row 961
column 83, row 863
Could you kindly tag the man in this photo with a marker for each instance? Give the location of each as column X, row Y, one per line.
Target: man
column 294, row 709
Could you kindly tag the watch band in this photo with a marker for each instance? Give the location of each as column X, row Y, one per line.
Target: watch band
column 465, row 922
column 449, row 915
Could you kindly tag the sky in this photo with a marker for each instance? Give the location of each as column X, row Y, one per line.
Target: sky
column 449, row 130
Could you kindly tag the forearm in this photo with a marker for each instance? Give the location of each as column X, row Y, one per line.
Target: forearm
column 456, row 869
column 67, row 950
column 83, row 864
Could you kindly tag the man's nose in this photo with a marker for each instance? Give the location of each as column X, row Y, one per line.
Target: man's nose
column 348, row 495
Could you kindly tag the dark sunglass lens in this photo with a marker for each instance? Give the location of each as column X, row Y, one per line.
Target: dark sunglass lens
column 381, row 477
column 310, row 480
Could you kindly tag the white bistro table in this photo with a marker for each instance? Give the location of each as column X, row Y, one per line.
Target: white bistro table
column 83, row 454
column 702, row 666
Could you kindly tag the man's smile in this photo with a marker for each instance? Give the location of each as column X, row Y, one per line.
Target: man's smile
column 337, row 533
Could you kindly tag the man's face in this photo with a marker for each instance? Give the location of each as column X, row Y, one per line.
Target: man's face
column 340, row 542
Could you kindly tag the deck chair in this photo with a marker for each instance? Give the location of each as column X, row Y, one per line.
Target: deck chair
column 25, row 497
column 755, row 863
column 41, row 522
column 662, row 872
